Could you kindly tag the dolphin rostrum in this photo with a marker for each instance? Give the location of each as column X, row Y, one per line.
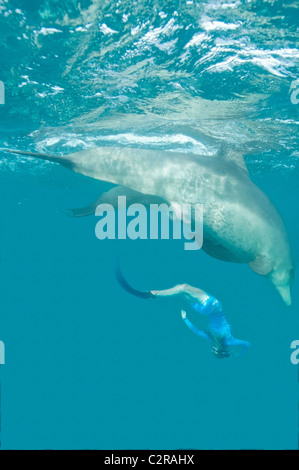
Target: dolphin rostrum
column 240, row 223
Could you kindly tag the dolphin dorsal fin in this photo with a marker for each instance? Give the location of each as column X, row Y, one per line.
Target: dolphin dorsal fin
column 233, row 156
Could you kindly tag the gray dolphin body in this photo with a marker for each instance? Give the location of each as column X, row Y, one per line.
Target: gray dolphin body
column 240, row 223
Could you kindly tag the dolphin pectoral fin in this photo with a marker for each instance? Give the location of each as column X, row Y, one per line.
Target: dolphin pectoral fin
column 83, row 211
column 134, row 197
column 213, row 248
column 285, row 293
column 261, row 265
column 111, row 197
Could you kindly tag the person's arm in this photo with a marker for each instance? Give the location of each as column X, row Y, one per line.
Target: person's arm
column 238, row 346
column 193, row 328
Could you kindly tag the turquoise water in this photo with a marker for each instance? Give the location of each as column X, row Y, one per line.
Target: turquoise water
column 87, row 365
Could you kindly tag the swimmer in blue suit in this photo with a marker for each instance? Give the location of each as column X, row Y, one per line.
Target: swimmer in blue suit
column 218, row 332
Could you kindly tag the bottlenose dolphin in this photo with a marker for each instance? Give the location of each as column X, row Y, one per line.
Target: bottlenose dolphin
column 240, row 223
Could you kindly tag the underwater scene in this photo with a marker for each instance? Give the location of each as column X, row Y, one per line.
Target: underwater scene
column 149, row 224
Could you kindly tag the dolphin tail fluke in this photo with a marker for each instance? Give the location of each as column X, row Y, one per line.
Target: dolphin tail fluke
column 41, row 156
column 123, row 282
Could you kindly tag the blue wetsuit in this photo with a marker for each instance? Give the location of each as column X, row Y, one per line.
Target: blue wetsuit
column 219, row 330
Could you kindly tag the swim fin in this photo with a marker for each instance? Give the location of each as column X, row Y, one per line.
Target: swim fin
column 128, row 288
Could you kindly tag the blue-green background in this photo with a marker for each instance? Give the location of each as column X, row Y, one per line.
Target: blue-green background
column 87, row 365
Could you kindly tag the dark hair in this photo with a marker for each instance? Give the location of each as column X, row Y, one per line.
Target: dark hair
column 219, row 348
